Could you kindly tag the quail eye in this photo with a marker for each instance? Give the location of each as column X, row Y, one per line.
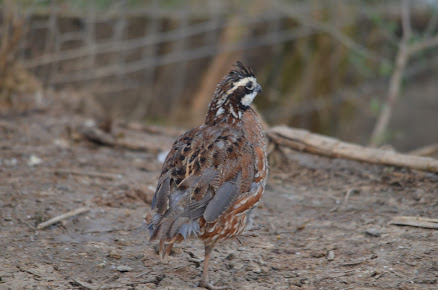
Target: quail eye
column 250, row 86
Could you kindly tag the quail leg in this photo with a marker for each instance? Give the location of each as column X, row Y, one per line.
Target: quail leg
column 164, row 250
column 204, row 277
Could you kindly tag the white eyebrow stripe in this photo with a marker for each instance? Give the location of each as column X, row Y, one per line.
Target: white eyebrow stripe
column 241, row 83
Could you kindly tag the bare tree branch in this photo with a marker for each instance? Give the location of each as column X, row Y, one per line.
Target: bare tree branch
column 404, row 52
column 424, row 44
column 406, row 20
column 396, row 78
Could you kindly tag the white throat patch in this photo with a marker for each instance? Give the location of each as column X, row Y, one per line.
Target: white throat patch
column 247, row 99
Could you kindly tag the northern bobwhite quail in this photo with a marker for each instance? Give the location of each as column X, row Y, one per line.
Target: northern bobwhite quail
column 215, row 174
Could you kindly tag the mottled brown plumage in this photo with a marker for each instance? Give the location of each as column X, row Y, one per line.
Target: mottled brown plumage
column 215, row 174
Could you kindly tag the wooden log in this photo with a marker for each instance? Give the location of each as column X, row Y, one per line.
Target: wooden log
column 315, row 143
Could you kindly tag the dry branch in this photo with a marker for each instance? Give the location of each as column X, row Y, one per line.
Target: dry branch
column 422, row 45
column 415, row 222
column 304, row 140
column 63, row 217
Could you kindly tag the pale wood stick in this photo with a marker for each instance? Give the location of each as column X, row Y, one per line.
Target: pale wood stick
column 304, row 140
column 413, row 221
column 63, row 217
column 423, row 219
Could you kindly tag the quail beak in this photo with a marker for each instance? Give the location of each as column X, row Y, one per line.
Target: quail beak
column 258, row 89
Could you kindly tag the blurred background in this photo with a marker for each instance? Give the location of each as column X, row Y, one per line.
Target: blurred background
column 340, row 68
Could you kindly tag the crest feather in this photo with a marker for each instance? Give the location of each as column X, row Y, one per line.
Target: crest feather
column 241, row 72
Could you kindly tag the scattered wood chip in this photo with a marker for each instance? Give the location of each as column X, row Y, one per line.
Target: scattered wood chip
column 413, row 221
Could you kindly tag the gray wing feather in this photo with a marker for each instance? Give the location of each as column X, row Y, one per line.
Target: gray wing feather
column 225, row 194
column 161, row 200
column 196, row 209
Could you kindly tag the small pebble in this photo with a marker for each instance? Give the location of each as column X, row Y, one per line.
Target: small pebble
column 34, row 160
column 373, row 232
column 122, row 268
column 253, row 267
column 236, row 266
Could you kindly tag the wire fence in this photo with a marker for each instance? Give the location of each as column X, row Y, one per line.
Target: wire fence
column 156, row 59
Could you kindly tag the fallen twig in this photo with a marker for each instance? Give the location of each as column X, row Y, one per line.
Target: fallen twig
column 345, row 201
column 144, row 273
column 36, row 276
column 347, row 196
column 63, row 217
column 413, row 221
column 304, row 140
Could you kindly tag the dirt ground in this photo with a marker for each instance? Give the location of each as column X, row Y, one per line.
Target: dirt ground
column 325, row 221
